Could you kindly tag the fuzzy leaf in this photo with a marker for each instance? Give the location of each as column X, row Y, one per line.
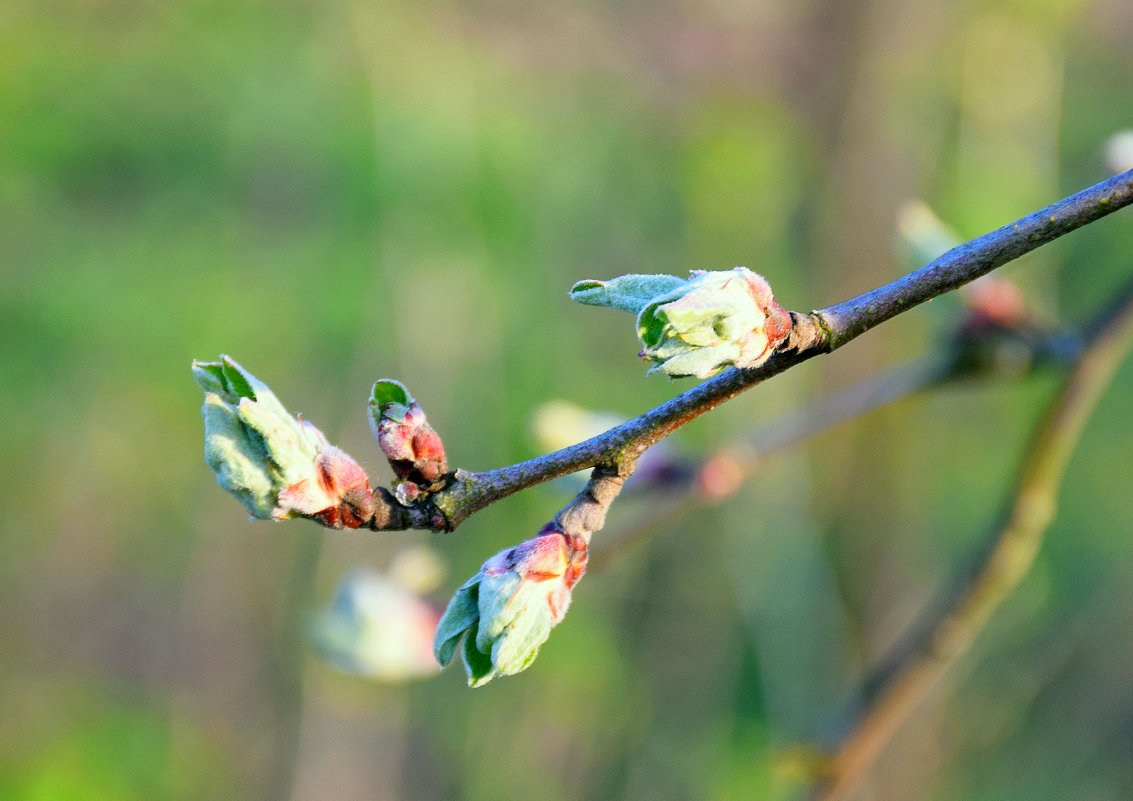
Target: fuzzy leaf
column 386, row 390
column 477, row 663
column 389, row 399
column 498, row 605
column 237, row 458
column 240, row 382
column 630, row 293
column 460, row 616
column 519, row 645
column 699, row 362
column 291, row 450
column 210, row 377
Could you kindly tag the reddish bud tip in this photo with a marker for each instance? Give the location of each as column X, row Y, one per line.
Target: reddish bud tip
column 413, row 448
column 339, row 497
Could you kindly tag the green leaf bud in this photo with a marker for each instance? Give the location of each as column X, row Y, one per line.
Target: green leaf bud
column 699, row 326
column 277, row 465
column 506, row 611
column 712, row 321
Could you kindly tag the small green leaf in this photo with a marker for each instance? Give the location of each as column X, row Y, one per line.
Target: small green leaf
column 389, row 399
column 386, row 390
column 517, row 648
column 477, row 663
column 232, row 382
column 699, row 362
column 630, row 293
column 292, row 451
column 237, row 458
column 500, row 601
column 240, row 382
column 461, row 615
column 651, row 326
column 210, row 377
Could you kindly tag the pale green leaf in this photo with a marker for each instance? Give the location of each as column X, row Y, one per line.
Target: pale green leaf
column 501, row 597
column 477, row 663
column 210, row 377
column 290, row 448
column 516, row 649
column 236, row 458
column 461, row 614
column 389, row 399
column 699, row 362
column 628, row 292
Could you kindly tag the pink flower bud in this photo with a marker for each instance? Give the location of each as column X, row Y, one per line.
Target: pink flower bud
column 413, row 448
column 507, row 610
column 992, row 300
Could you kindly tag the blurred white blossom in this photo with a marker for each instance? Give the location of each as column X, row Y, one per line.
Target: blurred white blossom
column 378, row 628
column 1119, row 151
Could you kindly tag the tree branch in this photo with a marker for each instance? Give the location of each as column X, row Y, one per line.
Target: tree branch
column 916, row 665
column 695, row 484
column 819, row 332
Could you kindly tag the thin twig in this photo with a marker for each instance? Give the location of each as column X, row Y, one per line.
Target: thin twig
column 820, row 332
column 916, row 666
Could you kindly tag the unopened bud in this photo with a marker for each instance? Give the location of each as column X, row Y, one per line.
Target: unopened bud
column 1000, row 332
column 277, row 465
column 992, row 300
column 720, row 476
column 699, row 326
column 507, row 610
column 414, row 449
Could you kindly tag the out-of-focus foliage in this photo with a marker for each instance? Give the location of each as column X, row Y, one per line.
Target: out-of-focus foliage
column 340, row 191
column 375, row 627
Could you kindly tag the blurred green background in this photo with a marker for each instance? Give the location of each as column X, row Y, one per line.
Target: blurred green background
column 337, row 191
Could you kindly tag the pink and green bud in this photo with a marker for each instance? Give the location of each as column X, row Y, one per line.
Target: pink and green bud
column 414, row 449
column 699, row 326
column 506, row 611
column 277, row 465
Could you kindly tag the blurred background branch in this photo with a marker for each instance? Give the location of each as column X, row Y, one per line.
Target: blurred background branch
column 820, row 332
column 901, row 684
column 995, row 337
